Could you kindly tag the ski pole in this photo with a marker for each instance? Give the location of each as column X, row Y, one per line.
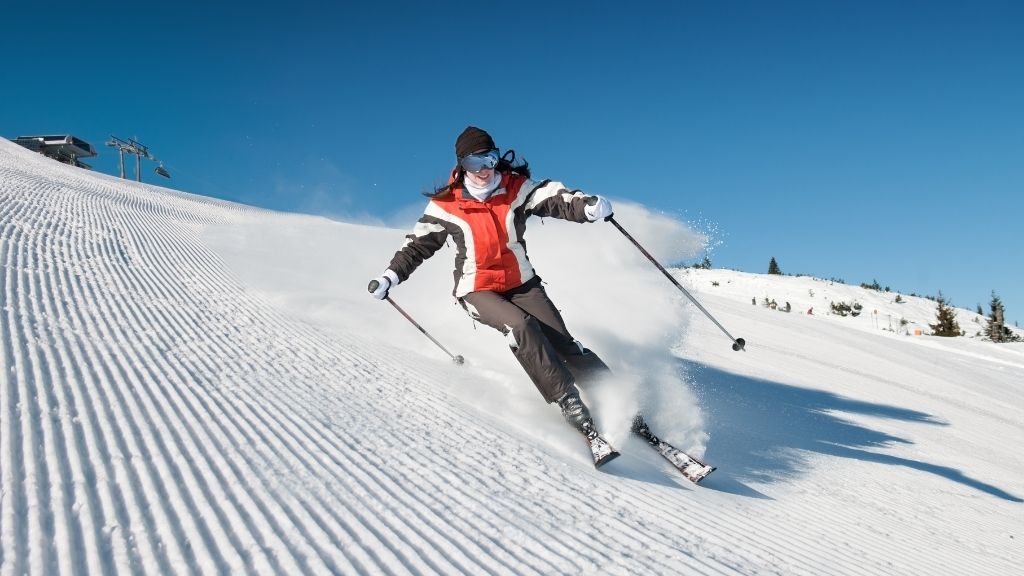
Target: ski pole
column 737, row 343
column 457, row 358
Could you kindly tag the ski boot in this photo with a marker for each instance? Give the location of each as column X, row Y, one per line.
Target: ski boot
column 577, row 414
column 575, row 411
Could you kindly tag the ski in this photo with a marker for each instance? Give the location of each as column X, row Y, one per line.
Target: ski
column 693, row 469
column 600, row 449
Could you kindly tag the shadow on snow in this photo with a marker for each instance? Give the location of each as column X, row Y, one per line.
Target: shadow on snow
column 760, row 430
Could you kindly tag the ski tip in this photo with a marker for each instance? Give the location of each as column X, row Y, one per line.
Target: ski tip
column 698, row 479
column 606, row 459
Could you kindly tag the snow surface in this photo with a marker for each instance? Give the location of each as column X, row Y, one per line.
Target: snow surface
column 194, row 386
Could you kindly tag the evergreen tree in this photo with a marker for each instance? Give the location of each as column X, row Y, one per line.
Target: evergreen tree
column 946, row 324
column 996, row 329
column 773, row 267
column 706, row 264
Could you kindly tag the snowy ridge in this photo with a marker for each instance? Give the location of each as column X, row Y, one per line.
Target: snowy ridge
column 179, row 394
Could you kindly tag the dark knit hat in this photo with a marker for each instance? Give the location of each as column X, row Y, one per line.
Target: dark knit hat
column 473, row 140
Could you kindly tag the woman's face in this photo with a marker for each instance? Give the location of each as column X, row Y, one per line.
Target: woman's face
column 481, row 178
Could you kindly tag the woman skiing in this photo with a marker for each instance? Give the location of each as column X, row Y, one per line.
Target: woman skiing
column 483, row 209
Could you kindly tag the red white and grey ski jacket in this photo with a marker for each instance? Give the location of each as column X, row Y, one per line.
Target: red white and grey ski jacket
column 488, row 235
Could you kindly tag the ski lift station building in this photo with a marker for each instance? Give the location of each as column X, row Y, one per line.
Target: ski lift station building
column 62, row 148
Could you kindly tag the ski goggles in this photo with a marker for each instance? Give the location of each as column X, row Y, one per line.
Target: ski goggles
column 481, row 161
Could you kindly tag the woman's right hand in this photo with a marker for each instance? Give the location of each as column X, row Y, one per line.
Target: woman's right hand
column 379, row 287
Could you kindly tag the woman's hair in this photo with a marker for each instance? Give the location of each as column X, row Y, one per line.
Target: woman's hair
column 507, row 163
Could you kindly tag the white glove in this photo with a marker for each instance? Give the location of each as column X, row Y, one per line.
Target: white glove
column 384, row 283
column 597, row 208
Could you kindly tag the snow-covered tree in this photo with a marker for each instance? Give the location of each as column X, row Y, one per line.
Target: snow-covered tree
column 946, row 324
column 996, row 329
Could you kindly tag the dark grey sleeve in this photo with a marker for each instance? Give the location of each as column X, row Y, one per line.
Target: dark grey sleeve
column 427, row 237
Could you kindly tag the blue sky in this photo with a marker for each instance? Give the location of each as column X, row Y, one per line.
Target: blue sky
column 855, row 140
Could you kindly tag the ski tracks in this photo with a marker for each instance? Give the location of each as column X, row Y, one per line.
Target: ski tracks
column 158, row 419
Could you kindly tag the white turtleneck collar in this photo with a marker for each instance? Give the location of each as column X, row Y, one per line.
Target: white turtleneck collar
column 483, row 193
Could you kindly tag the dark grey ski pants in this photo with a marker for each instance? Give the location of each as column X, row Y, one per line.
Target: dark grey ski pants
column 536, row 334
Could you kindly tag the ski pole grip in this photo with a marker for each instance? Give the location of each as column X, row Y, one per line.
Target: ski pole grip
column 373, row 286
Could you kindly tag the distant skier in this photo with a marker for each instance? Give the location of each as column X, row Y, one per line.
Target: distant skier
column 483, row 209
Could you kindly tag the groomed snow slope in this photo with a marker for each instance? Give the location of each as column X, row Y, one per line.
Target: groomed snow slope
column 194, row 386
